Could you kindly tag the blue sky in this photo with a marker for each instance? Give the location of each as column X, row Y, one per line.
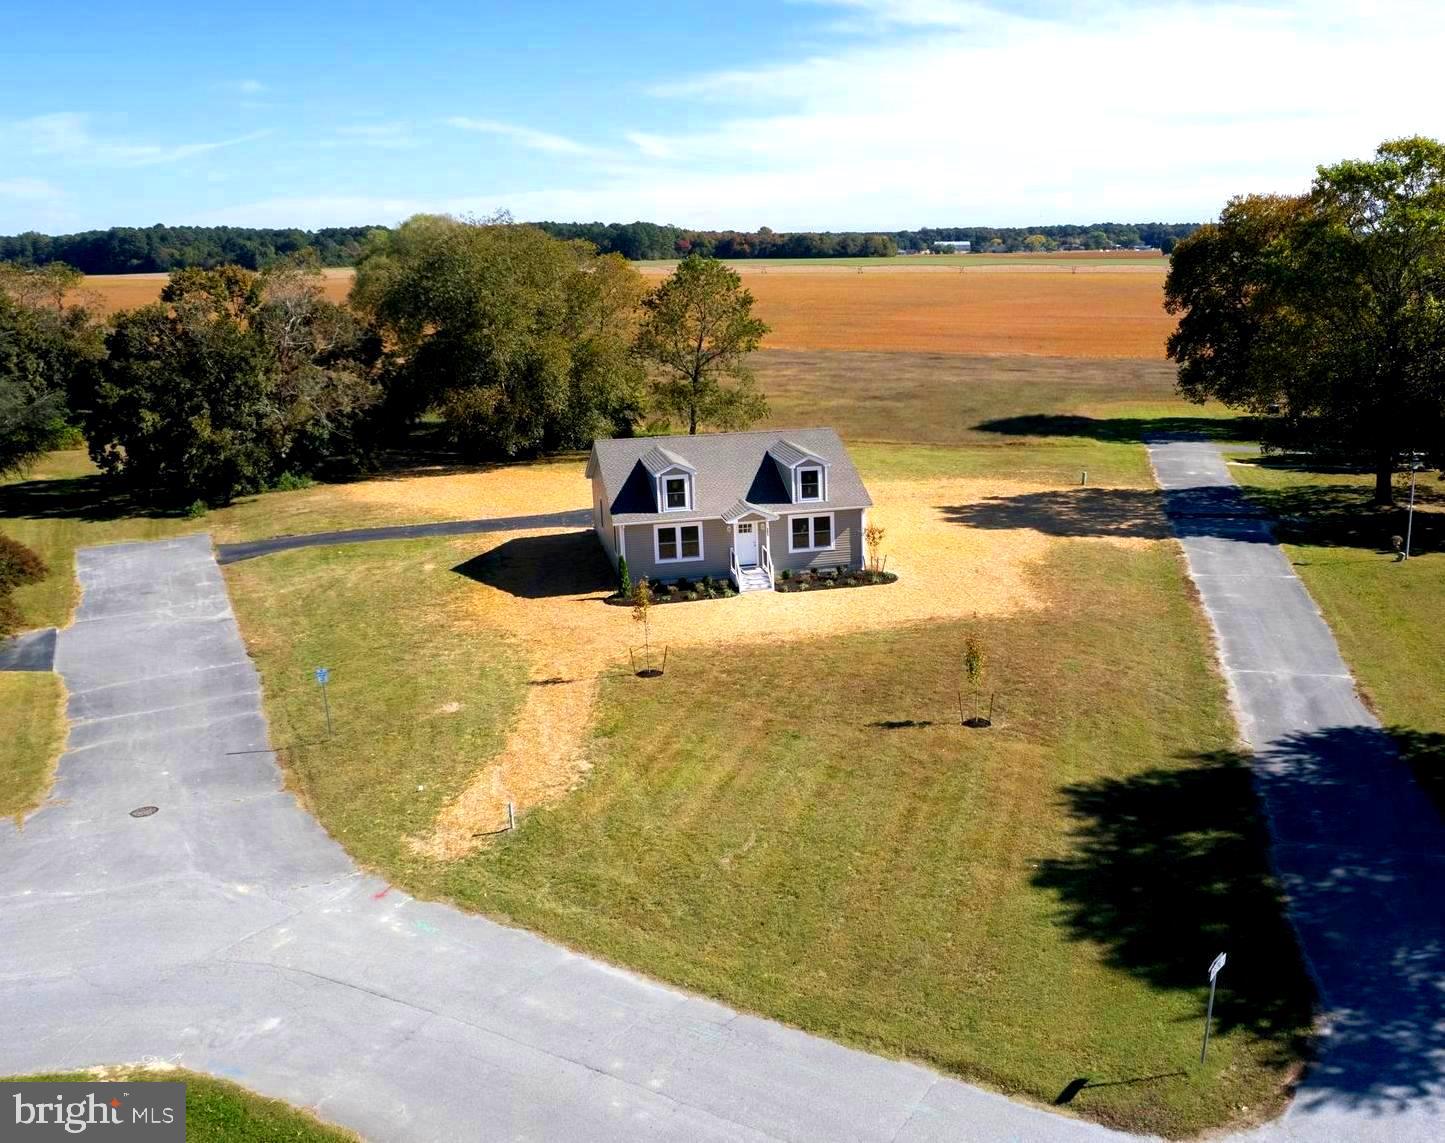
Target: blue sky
column 816, row 114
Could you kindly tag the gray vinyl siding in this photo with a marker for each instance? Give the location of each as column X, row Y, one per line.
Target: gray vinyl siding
column 604, row 528
column 716, row 542
column 846, row 552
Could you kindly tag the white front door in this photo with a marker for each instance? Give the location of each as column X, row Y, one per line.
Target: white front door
column 747, row 546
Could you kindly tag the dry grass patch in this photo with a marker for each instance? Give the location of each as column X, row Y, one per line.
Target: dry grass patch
column 544, row 590
column 31, row 739
column 513, row 490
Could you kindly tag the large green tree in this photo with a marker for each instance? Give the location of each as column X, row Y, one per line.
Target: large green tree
column 49, row 353
column 1324, row 314
column 519, row 340
column 226, row 383
column 697, row 331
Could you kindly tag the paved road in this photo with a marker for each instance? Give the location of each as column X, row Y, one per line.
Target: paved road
column 228, row 932
column 231, row 553
column 31, row 651
column 1359, row 849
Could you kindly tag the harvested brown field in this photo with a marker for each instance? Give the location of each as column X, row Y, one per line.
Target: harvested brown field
column 1117, row 312
column 110, row 293
column 1091, row 309
column 544, row 590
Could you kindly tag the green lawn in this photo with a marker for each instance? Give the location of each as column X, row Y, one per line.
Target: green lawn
column 419, row 697
column 33, row 733
column 218, row 1111
column 1385, row 614
column 1041, row 419
column 806, row 832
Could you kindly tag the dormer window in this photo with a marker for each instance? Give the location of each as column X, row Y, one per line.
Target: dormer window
column 810, row 484
column 675, row 496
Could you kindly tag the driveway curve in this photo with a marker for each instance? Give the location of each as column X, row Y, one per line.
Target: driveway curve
column 227, row 932
column 1359, row 849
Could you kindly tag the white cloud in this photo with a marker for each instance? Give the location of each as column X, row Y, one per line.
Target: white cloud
column 918, row 112
column 385, row 136
column 959, row 113
column 653, row 146
column 250, row 86
column 525, row 136
column 68, row 135
column 28, row 189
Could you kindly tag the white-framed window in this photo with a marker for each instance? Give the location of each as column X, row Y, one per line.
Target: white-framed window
column 676, row 494
column 810, row 533
column 677, row 543
column 810, row 483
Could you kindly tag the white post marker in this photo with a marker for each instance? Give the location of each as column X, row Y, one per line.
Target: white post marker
column 322, row 674
column 1410, row 519
column 1214, row 966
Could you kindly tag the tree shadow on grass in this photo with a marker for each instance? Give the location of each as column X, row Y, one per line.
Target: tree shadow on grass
column 1343, row 516
column 1424, row 752
column 544, row 567
column 92, row 498
column 1122, row 430
column 1117, row 512
column 1326, row 515
column 1169, row 867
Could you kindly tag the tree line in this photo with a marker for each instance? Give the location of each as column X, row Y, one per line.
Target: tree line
column 509, row 341
column 1025, row 239
column 161, row 249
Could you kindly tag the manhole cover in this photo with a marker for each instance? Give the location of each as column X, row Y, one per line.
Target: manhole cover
column 144, row 811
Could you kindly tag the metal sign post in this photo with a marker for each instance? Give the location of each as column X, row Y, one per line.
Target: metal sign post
column 322, row 674
column 1214, row 967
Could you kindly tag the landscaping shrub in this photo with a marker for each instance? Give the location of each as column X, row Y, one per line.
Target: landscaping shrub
column 291, row 482
column 624, row 578
column 18, row 566
column 831, row 577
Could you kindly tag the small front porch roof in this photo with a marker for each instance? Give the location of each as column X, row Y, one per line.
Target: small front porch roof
column 742, row 510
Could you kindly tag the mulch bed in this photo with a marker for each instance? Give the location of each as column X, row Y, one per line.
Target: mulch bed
column 829, row 580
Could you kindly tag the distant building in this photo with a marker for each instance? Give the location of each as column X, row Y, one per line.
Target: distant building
column 953, row 247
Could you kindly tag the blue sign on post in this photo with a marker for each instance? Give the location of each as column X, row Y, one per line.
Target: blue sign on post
column 322, row 674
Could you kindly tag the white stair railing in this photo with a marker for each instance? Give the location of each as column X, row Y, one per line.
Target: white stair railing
column 733, row 567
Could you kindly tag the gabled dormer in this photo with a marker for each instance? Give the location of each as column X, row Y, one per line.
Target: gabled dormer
column 674, row 480
column 805, row 474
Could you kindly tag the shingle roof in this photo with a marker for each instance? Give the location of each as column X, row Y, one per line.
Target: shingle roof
column 743, row 509
column 730, row 467
column 790, row 454
column 658, row 459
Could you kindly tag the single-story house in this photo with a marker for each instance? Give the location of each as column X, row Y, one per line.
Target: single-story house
column 739, row 506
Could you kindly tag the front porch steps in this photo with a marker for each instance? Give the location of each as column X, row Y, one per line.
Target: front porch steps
column 753, row 579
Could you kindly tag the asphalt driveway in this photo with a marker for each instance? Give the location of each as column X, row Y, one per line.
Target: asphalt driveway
column 1359, row 849
column 227, row 932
